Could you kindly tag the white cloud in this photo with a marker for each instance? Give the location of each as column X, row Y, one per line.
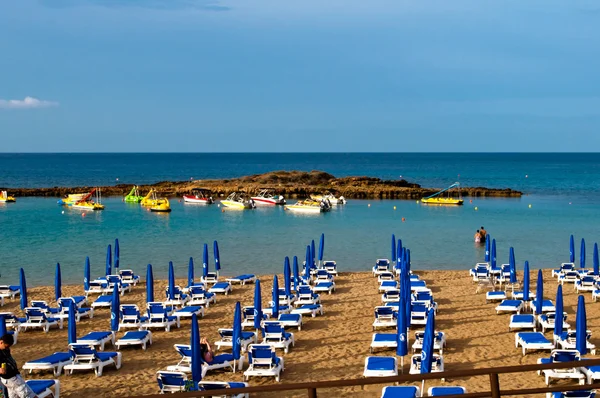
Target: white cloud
column 27, row 103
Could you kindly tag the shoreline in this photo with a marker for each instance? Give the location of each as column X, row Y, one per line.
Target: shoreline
column 332, row 346
column 291, row 184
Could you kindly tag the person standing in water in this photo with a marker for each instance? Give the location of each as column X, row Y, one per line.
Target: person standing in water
column 483, row 234
column 477, row 237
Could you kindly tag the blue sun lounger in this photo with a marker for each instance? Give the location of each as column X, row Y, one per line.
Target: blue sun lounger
column 510, row 306
column 220, row 287
column 242, row 279
column 103, row 301
column 446, row 390
column 131, row 317
column 384, row 286
column 437, row 364
column 85, row 357
column 45, row 388
column 381, row 265
column 98, row 339
column 309, row 309
column 532, row 341
column 179, row 298
column 127, row 276
column 547, row 306
column 9, row 291
column 200, row 296
column 290, row 320
column 135, row 337
column 439, row 341
column 523, row 321
column 547, row 321
column 573, row 394
column 43, row 305
column 262, row 361
column 385, row 317
column 172, row 381
column 380, row 367
column 187, row 312
column 220, row 385
column 400, row 392
column 496, row 295
column 276, row 336
column 564, row 267
column 324, row 287
column 568, row 339
column 220, row 361
column 558, row 356
column 226, row 334
column 54, row 362
column 36, row 318
column 158, row 317
column 383, row 340
column 305, row 295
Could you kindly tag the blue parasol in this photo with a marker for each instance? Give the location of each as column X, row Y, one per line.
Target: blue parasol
column 428, row 339
column 286, row 277
column 493, row 253
column 3, row 329
column 109, row 260
column 408, row 261
column 86, row 274
column 321, row 248
column 72, row 328
column 117, row 254
column 257, row 307
column 394, row 252
column 572, row 249
column 558, row 326
column 217, row 257
column 312, row 253
column 205, row 261
column 149, row 284
column 23, row 284
column 487, row 249
column 191, row 272
column 171, row 287
column 197, row 360
column 582, row 254
column 236, row 338
column 401, row 333
column 596, row 262
column 539, row 293
column 115, row 309
column 581, row 327
column 57, row 283
column 513, row 266
column 307, row 263
column 275, row 297
column 526, row 281
column 296, row 273
column 399, row 247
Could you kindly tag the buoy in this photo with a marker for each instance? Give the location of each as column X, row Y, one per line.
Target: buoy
column 569, row 203
column 63, row 212
column 394, row 207
column 369, row 205
column 82, row 214
column 526, row 176
column 476, row 208
column 530, row 206
column 470, row 200
column 403, row 219
column 117, row 178
column 416, row 201
column 222, row 210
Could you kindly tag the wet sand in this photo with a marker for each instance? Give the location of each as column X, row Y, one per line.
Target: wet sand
column 330, row 347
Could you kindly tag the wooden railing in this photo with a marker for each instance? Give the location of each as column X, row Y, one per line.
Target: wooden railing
column 494, row 392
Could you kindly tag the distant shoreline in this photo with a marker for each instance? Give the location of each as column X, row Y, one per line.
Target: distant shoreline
column 291, row 184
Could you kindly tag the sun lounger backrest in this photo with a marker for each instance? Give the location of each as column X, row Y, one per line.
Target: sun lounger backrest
column 261, row 355
column 564, row 356
column 185, row 351
column 83, row 352
column 171, row 379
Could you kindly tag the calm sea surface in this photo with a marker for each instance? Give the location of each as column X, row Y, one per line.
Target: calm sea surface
column 561, row 198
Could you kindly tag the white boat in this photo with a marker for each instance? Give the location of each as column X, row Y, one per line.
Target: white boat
column 331, row 198
column 309, row 206
column 199, row 196
column 237, row 201
column 267, row 196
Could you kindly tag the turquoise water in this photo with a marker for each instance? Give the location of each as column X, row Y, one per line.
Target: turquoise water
column 35, row 234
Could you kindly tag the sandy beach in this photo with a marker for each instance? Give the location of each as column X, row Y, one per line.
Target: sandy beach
column 330, row 347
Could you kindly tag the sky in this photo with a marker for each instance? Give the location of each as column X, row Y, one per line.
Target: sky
column 299, row 76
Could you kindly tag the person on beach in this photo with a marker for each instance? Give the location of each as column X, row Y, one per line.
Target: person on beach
column 9, row 371
column 205, row 350
column 483, row 234
column 477, row 237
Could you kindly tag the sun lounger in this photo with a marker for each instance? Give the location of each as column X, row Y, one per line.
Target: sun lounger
column 547, row 306
column 322, row 287
column 220, row 287
column 305, row 295
column 381, row 265
column 103, row 301
column 383, row 340
column 127, row 276
column 518, row 295
column 85, row 357
column 418, row 314
column 568, row 277
column 211, row 277
column 400, row 392
column 246, row 339
column 172, row 381
column 380, row 367
column 526, row 321
column 242, row 279
column 322, row 275
column 309, row 309
column 98, row 286
column 532, row 341
column 479, row 269
column 263, row 362
column 557, row 356
column 133, row 338
column 158, row 317
column 43, row 305
column 437, row 364
column 290, row 320
column 283, row 309
column 385, row 276
column 495, row 296
column 80, row 312
column 385, row 317
column 9, row 291
column 45, row 388
column 131, row 317
column 221, row 361
column 331, row 267
column 384, row 286
column 418, row 285
column 547, row 321
column 567, row 341
column 248, row 317
column 179, row 298
column 586, row 283
column 509, row 306
column 439, row 391
column 113, row 280
column 592, row 373
column 98, row 339
column 276, row 336
column 200, row 296
column 54, row 362
column 564, row 267
column 187, row 312
column 439, row 341
column 220, row 385
column 392, row 295
column 36, row 318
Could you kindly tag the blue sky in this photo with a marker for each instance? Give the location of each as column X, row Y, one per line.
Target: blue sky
column 272, row 75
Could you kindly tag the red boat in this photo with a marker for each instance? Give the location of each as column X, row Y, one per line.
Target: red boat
column 199, row 196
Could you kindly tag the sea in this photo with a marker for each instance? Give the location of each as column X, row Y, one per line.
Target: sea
column 561, row 197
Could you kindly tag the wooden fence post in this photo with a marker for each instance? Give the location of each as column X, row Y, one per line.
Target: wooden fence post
column 494, row 385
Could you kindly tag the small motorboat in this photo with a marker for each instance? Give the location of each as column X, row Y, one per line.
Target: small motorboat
column 84, row 201
column 200, row 196
column 4, row 198
column 163, row 207
column 309, row 206
column 331, row 198
column 435, row 199
column 238, row 201
column 133, row 196
column 152, row 199
column 268, row 196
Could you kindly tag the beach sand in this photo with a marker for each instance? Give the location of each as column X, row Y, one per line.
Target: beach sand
column 330, row 347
